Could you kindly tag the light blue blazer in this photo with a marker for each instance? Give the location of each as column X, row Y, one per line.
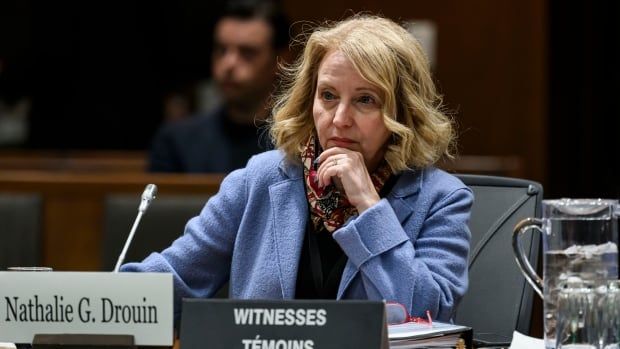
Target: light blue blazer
column 410, row 248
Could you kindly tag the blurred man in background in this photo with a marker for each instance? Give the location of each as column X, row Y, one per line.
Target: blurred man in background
column 248, row 39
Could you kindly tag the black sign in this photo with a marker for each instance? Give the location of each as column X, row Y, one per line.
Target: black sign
column 291, row 324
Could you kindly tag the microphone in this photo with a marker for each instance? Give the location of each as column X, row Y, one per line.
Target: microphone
column 149, row 194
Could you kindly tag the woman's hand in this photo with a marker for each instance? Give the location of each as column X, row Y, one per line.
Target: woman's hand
column 347, row 171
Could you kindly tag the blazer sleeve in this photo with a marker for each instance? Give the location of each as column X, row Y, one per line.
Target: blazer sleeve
column 423, row 271
column 200, row 259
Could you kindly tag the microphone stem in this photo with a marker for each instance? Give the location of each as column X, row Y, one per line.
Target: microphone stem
column 121, row 258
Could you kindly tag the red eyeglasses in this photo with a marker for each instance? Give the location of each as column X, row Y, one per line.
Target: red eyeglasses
column 397, row 314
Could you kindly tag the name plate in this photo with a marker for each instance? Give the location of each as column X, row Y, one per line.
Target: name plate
column 137, row 304
column 296, row 324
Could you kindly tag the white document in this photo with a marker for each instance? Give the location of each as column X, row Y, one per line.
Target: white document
column 411, row 335
column 521, row 341
column 412, row 330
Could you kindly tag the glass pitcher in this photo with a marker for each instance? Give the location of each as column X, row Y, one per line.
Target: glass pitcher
column 580, row 240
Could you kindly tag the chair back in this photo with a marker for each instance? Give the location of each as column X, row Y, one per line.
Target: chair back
column 20, row 230
column 163, row 222
column 499, row 299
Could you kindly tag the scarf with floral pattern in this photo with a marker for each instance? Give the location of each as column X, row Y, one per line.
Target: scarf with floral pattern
column 329, row 208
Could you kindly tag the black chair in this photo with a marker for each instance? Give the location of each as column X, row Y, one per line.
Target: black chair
column 163, row 222
column 499, row 300
column 20, row 230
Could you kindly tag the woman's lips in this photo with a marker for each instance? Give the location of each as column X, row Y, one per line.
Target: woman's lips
column 341, row 142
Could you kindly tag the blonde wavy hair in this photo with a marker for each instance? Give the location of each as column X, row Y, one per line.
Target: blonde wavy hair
column 391, row 59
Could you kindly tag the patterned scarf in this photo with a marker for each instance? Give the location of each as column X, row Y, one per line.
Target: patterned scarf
column 329, row 207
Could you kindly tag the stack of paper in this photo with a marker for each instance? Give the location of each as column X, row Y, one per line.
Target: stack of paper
column 438, row 335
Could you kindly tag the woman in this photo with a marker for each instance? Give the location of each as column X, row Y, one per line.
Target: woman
column 349, row 205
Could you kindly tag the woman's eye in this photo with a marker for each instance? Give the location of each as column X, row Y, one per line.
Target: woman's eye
column 366, row 100
column 328, row 96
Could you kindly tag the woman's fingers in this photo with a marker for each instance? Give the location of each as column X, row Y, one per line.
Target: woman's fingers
column 346, row 169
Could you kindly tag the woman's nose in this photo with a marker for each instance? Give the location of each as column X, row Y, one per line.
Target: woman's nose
column 343, row 116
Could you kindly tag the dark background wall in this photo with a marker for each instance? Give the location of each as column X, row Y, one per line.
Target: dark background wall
column 528, row 78
column 584, row 141
column 98, row 71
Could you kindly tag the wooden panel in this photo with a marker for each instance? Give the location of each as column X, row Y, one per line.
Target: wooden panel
column 100, row 183
column 74, row 161
column 505, row 166
column 72, row 233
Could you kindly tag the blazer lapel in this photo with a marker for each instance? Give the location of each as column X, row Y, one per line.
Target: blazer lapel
column 290, row 210
column 408, row 184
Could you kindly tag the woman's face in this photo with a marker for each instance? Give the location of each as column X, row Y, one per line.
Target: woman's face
column 347, row 110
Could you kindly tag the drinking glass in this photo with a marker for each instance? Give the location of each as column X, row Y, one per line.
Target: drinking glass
column 577, row 325
column 609, row 315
